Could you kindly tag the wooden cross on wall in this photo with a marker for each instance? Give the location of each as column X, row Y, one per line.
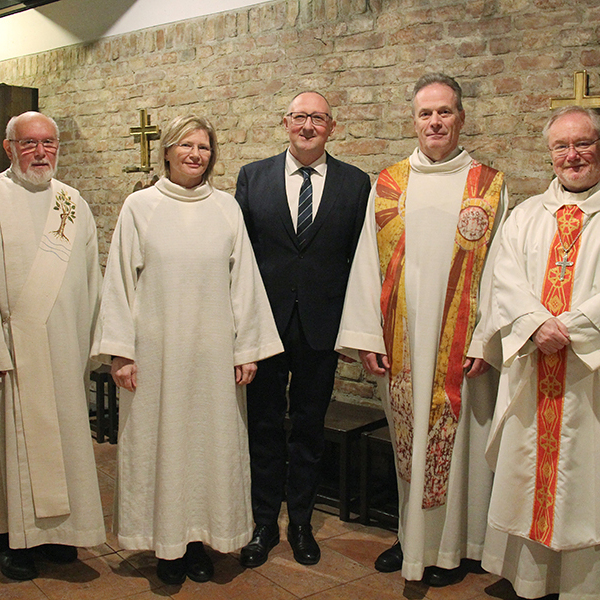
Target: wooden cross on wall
column 580, row 97
column 143, row 134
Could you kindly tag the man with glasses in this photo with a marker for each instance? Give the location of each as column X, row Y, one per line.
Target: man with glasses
column 304, row 211
column 430, row 231
column 544, row 533
column 49, row 292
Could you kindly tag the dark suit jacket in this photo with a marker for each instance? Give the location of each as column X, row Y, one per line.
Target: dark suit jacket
column 315, row 277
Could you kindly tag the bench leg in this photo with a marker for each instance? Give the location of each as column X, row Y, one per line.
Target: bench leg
column 344, row 479
column 113, row 415
column 364, row 479
column 100, row 418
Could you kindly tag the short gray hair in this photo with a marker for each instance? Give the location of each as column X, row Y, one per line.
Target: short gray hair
column 11, row 126
column 432, row 78
column 176, row 130
column 593, row 116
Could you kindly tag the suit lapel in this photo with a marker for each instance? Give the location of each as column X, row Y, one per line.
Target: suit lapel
column 280, row 196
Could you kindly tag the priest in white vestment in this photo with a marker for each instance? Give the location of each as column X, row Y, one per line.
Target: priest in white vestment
column 544, row 533
column 428, row 237
column 185, row 315
column 49, row 295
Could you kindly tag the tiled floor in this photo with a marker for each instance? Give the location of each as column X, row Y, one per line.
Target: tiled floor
column 345, row 571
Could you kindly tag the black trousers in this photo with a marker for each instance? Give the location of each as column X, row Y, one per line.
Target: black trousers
column 311, row 384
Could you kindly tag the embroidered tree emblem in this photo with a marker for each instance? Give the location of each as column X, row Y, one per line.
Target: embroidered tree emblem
column 67, row 208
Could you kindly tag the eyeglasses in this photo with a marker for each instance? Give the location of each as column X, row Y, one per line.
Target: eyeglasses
column 582, row 147
column 49, row 144
column 188, row 148
column 319, row 119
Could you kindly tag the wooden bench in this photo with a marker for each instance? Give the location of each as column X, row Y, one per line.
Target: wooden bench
column 344, row 424
column 105, row 422
column 378, row 485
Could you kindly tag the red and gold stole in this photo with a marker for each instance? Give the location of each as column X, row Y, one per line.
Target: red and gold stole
column 552, row 373
column 475, row 224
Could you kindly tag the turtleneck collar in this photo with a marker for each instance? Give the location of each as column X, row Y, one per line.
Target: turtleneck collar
column 177, row 192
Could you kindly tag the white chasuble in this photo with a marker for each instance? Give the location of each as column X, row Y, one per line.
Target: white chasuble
column 566, row 559
column 441, row 535
column 183, row 297
column 41, row 230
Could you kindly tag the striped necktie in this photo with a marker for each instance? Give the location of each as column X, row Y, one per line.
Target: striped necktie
column 304, row 205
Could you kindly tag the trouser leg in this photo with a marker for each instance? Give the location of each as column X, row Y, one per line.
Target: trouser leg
column 267, row 404
column 311, row 385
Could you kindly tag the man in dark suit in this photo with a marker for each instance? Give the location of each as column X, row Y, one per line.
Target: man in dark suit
column 304, row 211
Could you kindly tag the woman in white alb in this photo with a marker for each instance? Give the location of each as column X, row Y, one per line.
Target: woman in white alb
column 185, row 317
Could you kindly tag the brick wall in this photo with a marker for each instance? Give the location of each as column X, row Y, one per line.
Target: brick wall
column 241, row 69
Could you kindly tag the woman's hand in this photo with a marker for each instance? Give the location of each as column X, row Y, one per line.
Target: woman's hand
column 124, row 372
column 244, row 374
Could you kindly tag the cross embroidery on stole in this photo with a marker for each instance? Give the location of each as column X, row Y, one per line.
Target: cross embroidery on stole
column 552, row 372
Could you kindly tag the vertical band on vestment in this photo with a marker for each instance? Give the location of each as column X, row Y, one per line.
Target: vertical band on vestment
column 33, row 375
column 552, row 374
column 478, row 211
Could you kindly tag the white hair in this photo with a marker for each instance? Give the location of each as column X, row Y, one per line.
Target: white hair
column 12, row 124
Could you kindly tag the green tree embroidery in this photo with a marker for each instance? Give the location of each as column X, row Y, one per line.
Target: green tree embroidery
column 64, row 204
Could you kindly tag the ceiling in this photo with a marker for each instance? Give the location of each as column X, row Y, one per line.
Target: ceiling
column 8, row 7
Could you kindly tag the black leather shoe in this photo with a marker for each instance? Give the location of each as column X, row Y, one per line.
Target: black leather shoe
column 18, row 564
column 171, row 572
column 199, row 565
column 303, row 543
column 390, row 560
column 256, row 552
column 438, row 577
column 58, row 553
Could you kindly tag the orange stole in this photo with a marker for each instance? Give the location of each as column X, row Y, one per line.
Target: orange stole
column 552, row 373
column 475, row 224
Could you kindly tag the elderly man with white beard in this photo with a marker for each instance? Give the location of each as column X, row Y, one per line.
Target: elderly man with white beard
column 49, row 293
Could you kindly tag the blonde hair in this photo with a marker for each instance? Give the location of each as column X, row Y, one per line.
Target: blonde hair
column 176, row 130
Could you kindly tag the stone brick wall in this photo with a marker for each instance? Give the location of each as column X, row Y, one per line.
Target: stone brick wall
column 241, row 69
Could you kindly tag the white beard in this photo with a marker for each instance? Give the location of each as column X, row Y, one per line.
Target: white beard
column 32, row 176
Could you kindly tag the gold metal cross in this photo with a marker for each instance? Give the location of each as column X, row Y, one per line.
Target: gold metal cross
column 142, row 135
column 580, row 97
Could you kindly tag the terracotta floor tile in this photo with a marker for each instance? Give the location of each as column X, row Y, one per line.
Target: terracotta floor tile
column 144, row 562
column 87, row 553
column 156, row 594
column 107, row 490
column 246, row 585
column 19, row 590
column 376, row 586
column 106, row 458
column 362, row 545
column 332, row 570
column 111, row 538
column 105, row 578
column 327, row 525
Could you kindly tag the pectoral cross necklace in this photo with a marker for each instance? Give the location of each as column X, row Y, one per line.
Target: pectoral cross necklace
column 565, row 262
